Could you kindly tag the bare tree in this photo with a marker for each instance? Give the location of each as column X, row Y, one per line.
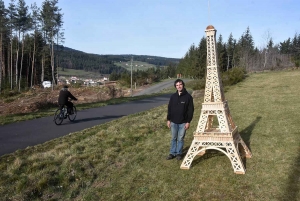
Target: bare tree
column 23, row 25
column 34, row 18
column 3, row 24
column 268, row 43
column 11, row 24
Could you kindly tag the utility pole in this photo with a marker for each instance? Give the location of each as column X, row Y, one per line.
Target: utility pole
column 131, row 79
column 135, row 75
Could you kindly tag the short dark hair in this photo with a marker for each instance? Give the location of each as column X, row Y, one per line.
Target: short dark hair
column 178, row 80
column 66, row 86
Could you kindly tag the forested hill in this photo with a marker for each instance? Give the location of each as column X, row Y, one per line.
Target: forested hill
column 74, row 59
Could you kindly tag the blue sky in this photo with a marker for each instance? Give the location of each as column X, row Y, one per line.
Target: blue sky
column 168, row 28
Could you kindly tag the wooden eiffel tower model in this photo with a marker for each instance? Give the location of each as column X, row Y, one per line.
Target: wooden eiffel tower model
column 223, row 137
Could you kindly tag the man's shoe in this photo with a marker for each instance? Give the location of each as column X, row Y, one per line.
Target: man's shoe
column 178, row 157
column 170, row 157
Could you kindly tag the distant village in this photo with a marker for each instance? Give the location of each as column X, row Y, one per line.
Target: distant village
column 87, row 82
column 62, row 80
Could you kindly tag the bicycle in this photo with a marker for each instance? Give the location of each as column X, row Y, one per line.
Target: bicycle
column 62, row 114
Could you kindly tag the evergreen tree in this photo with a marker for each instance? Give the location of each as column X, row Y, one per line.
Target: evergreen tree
column 296, row 49
column 246, row 49
column 270, row 43
column 285, row 46
column 201, row 61
column 183, row 65
column 192, row 70
column 230, row 46
column 114, row 76
column 222, row 54
column 246, row 41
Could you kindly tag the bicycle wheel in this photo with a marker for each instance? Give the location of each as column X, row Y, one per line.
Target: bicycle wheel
column 73, row 115
column 58, row 117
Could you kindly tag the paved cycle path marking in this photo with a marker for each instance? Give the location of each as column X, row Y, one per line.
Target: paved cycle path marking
column 32, row 132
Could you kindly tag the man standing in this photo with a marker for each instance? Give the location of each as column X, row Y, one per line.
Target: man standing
column 180, row 114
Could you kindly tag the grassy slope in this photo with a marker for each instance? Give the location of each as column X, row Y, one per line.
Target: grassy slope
column 78, row 73
column 125, row 159
column 136, row 65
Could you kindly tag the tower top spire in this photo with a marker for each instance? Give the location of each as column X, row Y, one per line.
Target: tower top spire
column 210, row 27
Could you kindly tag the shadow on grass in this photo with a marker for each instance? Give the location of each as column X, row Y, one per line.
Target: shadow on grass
column 247, row 132
column 246, row 135
column 208, row 154
column 291, row 191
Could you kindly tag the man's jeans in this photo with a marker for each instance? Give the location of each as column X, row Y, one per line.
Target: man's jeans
column 177, row 141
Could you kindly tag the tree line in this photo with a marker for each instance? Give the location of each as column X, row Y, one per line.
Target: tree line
column 27, row 42
column 242, row 53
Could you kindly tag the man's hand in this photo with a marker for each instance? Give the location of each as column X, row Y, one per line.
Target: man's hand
column 187, row 126
column 169, row 124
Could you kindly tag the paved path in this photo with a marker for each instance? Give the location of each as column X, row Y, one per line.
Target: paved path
column 29, row 133
column 157, row 87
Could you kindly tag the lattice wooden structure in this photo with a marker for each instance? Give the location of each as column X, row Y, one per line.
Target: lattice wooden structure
column 216, row 129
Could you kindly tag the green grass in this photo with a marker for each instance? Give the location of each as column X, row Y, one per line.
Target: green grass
column 136, row 65
column 125, row 159
column 78, row 73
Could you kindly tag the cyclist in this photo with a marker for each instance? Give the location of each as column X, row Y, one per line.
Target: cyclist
column 64, row 94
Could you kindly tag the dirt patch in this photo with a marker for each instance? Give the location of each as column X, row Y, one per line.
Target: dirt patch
column 38, row 98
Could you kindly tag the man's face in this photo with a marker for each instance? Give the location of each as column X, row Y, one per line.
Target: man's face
column 179, row 86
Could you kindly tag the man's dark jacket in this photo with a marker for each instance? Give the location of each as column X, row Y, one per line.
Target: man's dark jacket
column 63, row 97
column 180, row 108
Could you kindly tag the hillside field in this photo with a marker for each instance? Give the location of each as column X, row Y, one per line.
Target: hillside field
column 136, row 65
column 125, row 159
column 78, row 73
